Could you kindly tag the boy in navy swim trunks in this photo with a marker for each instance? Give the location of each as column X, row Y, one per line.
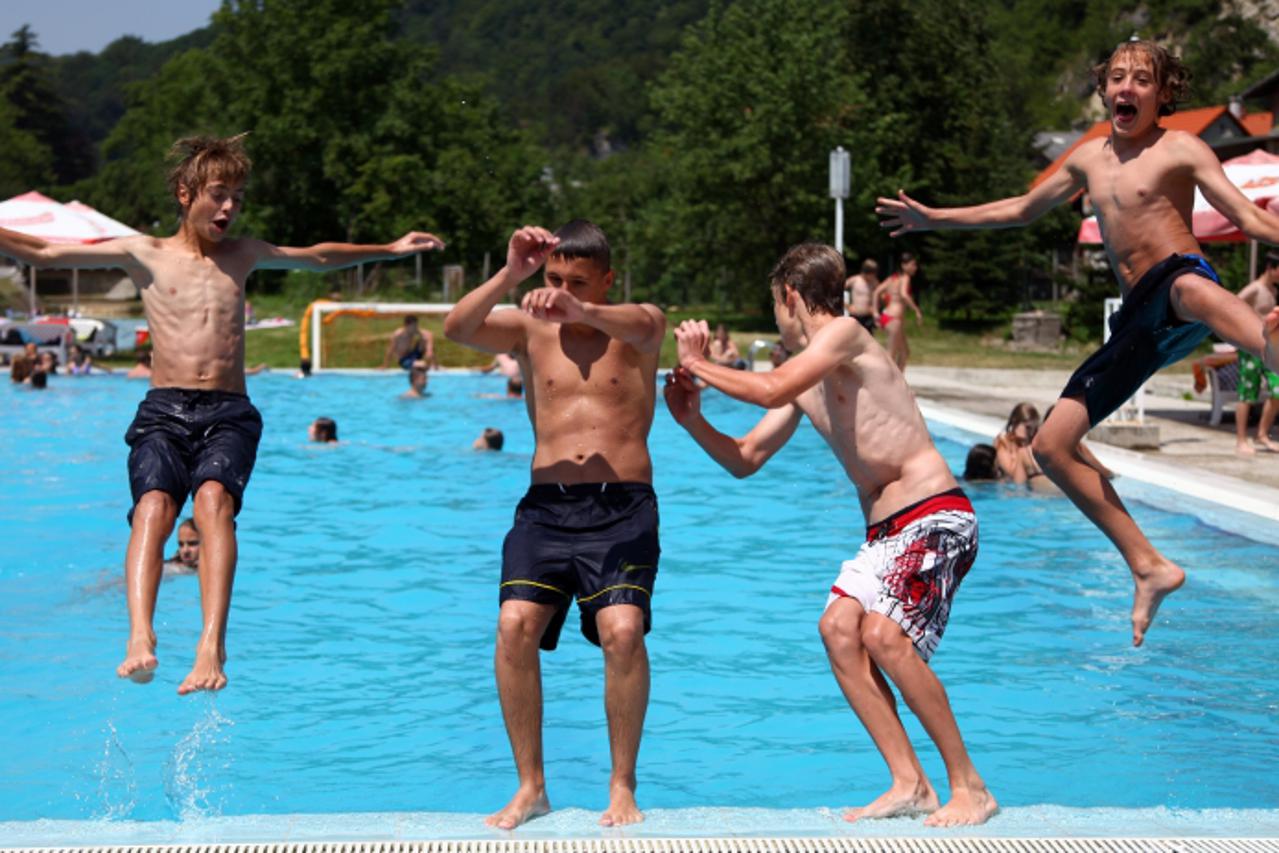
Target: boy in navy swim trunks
column 889, row 606
column 1141, row 180
column 196, row 433
column 587, row 528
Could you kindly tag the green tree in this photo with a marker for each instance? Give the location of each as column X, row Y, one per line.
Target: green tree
column 27, row 84
column 27, row 163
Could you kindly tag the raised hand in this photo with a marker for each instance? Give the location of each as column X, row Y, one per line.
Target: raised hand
column 692, row 338
column 529, row 248
column 416, row 241
column 683, row 397
column 554, row 304
column 903, row 214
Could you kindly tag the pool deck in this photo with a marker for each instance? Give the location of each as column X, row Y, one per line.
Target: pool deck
column 1193, row 458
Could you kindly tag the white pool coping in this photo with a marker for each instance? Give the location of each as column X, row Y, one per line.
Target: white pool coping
column 1208, row 493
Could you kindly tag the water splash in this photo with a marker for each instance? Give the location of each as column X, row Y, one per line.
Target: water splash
column 199, row 760
column 117, row 782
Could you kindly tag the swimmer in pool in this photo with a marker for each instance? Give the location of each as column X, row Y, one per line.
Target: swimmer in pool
column 1141, row 180
column 890, row 604
column 187, row 560
column 195, row 433
column 587, row 528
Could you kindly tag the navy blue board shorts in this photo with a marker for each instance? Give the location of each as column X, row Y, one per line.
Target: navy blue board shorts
column 181, row 438
column 596, row 542
column 1145, row 335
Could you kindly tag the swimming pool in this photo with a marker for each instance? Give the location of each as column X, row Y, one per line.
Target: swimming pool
column 362, row 629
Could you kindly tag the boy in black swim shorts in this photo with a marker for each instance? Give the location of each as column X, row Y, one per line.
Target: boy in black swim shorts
column 196, row 433
column 587, row 528
column 1141, row 179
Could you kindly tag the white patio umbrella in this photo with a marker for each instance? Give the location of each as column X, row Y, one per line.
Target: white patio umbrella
column 38, row 215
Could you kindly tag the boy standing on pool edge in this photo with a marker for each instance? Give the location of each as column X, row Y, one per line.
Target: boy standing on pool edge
column 1142, row 180
column 196, row 431
column 588, row 526
column 889, row 606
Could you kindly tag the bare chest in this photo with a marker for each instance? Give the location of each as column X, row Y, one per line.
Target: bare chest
column 190, row 293
column 564, row 366
column 1131, row 186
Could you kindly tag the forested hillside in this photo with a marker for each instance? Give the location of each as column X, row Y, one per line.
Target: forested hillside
column 695, row 132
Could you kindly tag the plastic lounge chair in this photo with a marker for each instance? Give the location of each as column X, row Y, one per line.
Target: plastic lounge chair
column 1224, row 382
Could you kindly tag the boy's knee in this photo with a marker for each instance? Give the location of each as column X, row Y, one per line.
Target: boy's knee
column 621, row 630
column 1049, row 448
column 156, row 506
column 212, row 497
column 884, row 638
column 519, row 624
column 840, row 628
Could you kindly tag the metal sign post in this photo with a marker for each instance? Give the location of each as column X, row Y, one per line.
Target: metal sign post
column 840, row 179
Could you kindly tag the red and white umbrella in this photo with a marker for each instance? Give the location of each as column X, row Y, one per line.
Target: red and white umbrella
column 1255, row 174
column 37, row 215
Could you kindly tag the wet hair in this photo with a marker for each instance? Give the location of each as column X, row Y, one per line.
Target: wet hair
column 1021, row 413
column 583, row 239
column 817, row 273
column 980, row 464
column 200, row 160
column 493, row 438
column 1172, row 78
column 410, row 320
column 20, row 369
column 418, row 369
column 189, row 521
column 515, row 386
column 304, row 367
column 39, row 379
column 326, row 429
column 870, row 267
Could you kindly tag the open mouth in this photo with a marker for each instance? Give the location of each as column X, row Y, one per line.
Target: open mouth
column 221, row 224
column 1125, row 112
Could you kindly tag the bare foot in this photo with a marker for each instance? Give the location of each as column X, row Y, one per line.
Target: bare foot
column 966, row 808
column 207, row 672
column 1268, row 444
column 527, row 804
column 1243, row 448
column 622, row 809
column 900, row 799
column 1153, row 586
column 139, row 660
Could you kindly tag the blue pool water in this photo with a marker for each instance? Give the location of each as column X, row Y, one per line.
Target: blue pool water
column 362, row 628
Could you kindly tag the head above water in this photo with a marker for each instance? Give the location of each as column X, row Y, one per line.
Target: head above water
column 816, row 273
column 189, row 543
column 1169, row 79
column 1023, row 414
column 417, row 377
column 980, row 464
column 323, row 430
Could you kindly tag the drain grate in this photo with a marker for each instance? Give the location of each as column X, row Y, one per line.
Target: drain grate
column 718, row 845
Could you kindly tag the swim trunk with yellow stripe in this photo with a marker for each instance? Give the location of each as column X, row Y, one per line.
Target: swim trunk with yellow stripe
column 596, row 542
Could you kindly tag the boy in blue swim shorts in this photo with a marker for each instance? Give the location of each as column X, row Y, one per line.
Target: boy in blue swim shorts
column 587, row 529
column 196, row 433
column 1141, row 180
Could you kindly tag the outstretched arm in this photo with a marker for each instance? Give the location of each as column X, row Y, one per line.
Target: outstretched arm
column 332, row 256
column 740, row 457
column 1222, row 194
column 643, row 326
column 905, row 215
column 472, row 322
column 833, row 345
column 44, row 255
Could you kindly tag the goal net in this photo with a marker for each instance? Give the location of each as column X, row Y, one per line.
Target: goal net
column 355, row 335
